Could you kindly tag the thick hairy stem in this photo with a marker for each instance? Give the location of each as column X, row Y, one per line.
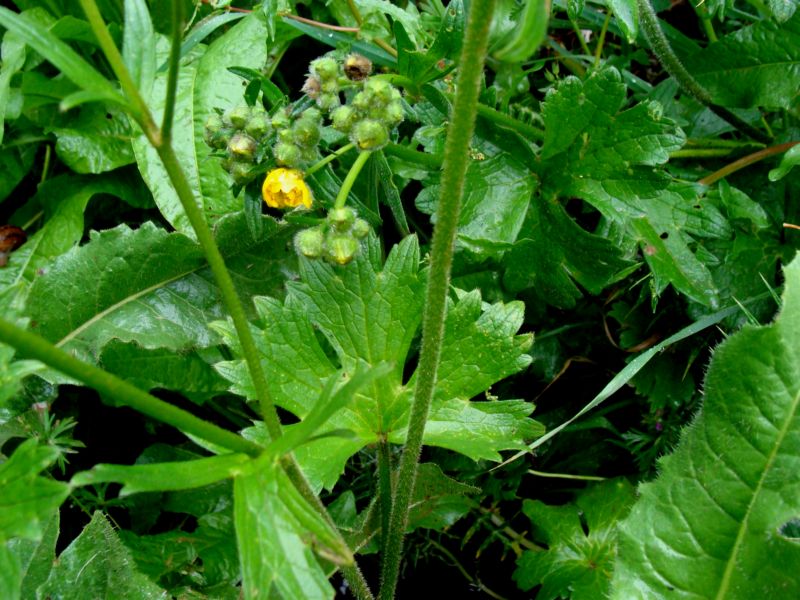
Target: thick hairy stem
column 669, row 60
column 34, row 346
column 456, row 159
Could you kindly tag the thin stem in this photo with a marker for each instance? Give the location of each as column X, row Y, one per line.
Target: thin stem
column 352, row 174
column 114, row 58
column 34, row 346
column 429, row 161
column 669, row 60
column 384, row 487
column 172, row 75
column 225, row 283
column 705, row 20
column 745, row 161
column 459, row 135
column 581, row 39
column 505, row 120
column 601, row 41
column 331, row 157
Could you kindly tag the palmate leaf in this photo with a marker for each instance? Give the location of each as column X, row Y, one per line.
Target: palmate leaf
column 368, row 312
column 718, row 521
column 606, row 156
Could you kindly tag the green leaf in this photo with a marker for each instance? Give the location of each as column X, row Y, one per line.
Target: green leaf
column 150, row 287
column 177, row 475
column 497, row 191
column 61, row 55
column 552, row 252
column 13, row 53
column 789, row 160
column 757, row 65
column 36, row 559
column 712, row 524
column 97, row 565
column 423, row 66
column 782, row 10
column 139, row 45
column 578, row 560
column 529, row 33
column 204, row 83
column 278, row 533
column 438, row 500
column 27, row 500
column 96, row 141
column 627, row 14
column 607, row 156
column 370, row 313
column 17, row 162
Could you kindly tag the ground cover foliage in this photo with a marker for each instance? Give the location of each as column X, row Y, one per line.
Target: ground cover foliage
column 240, row 357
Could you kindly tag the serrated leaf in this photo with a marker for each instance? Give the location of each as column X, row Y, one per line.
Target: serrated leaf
column 553, row 253
column 278, row 533
column 757, row 65
column 97, row 565
column 438, row 501
column 27, row 500
column 36, row 559
column 204, row 83
column 711, row 525
column 370, row 313
column 576, row 564
column 150, row 287
column 607, row 156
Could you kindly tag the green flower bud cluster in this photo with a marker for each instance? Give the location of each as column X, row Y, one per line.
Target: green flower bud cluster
column 297, row 140
column 371, row 115
column 239, row 133
column 335, row 240
column 322, row 83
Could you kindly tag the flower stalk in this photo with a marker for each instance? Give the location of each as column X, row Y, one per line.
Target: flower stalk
column 456, row 160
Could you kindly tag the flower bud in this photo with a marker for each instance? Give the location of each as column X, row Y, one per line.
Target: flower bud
column 362, row 102
column 258, row 126
column 325, row 67
column 342, row 118
column 393, row 115
column 328, row 102
column 309, row 242
column 287, row 154
column 280, row 120
column 369, row 135
column 240, row 172
column 306, row 133
column 357, row 67
column 242, row 146
column 342, row 218
column 312, row 87
column 239, row 116
column 340, row 249
column 379, row 90
column 360, row 229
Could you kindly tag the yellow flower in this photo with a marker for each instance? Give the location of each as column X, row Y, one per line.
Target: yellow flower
column 285, row 188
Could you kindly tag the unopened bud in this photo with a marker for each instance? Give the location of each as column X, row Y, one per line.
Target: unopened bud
column 309, row 242
column 242, row 146
column 342, row 218
column 258, row 126
column 326, row 67
column 342, row 118
column 341, row 249
column 312, row 87
column 360, row 229
column 357, row 67
column 288, row 155
column 239, row 116
column 370, row 135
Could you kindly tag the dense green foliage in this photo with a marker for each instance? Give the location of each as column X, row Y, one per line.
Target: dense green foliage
column 511, row 279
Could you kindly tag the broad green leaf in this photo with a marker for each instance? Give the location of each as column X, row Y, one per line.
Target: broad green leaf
column 758, row 65
column 553, row 253
column 627, row 14
column 167, row 476
column 497, row 191
column 278, row 534
column 438, row 501
column 36, row 559
column 204, row 83
column 712, row 524
column 10, row 573
column 96, row 141
column 12, row 372
column 150, row 287
column 139, row 45
column 529, row 33
column 97, row 565
column 606, row 155
column 579, row 559
column 69, row 62
column 189, row 373
column 370, row 313
column 28, row 500
column 782, row 10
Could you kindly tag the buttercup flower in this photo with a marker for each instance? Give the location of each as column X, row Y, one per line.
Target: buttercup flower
column 285, row 188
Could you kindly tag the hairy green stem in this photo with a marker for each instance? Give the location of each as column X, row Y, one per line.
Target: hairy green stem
column 505, row 120
column 32, row 345
column 352, row 175
column 669, row 60
column 459, row 135
column 384, row 487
